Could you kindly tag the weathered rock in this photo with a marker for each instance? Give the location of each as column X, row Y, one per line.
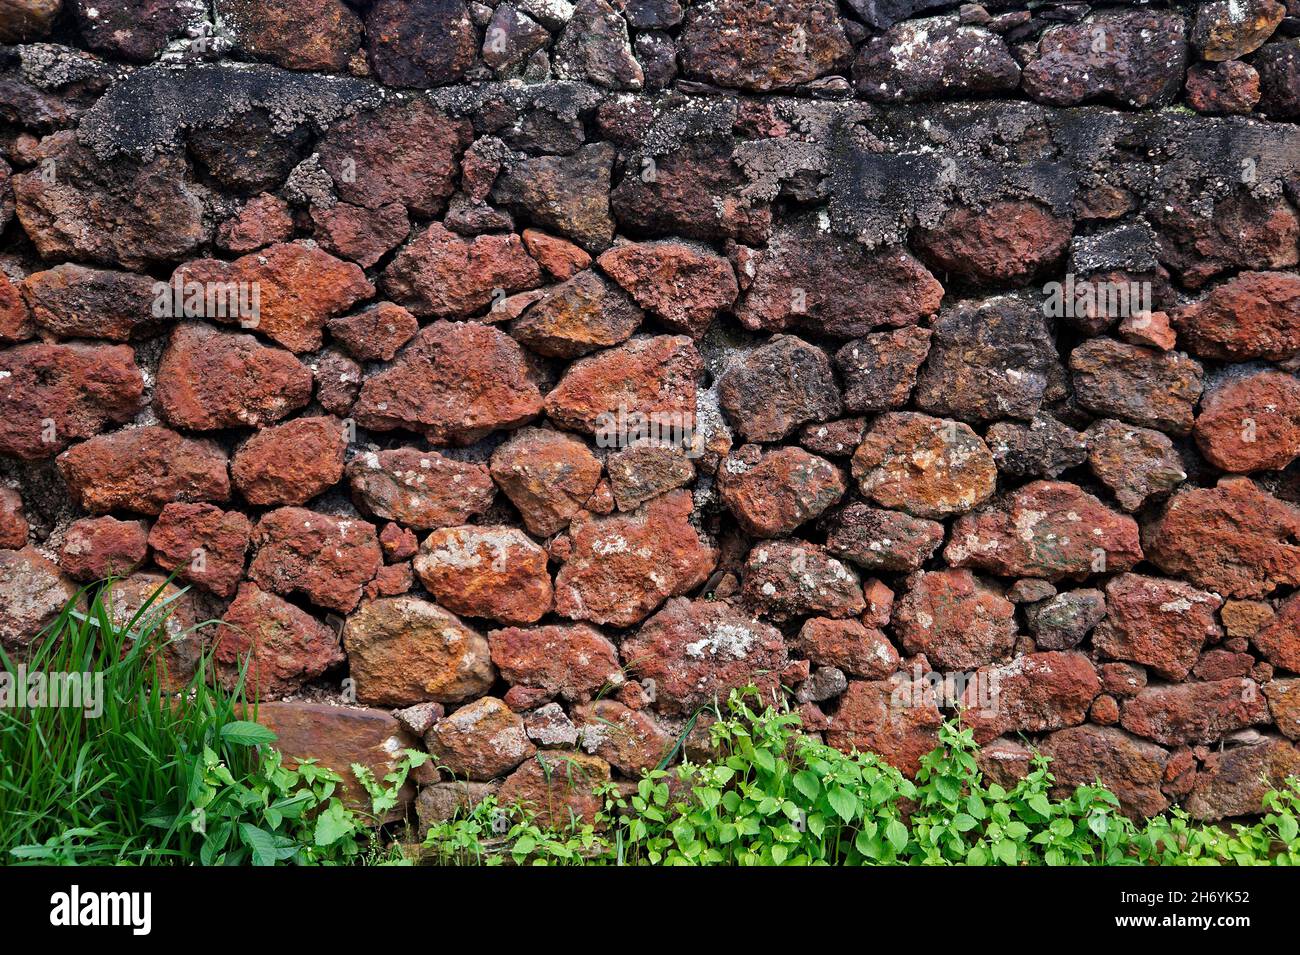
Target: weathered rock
column 1047, row 529
column 1284, row 706
column 99, row 547
column 316, row 35
column 338, row 736
column 443, row 802
column 27, row 20
column 879, row 370
column 298, row 288
column 1233, row 539
column 1194, row 712
column 564, row 194
column 849, row 646
column 324, row 558
column 1279, row 639
column 681, row 284
column 1133, row 58
column 695, row 191
column 836, row 439
column 645, row 471
column 363, row 235
column 620, row 390
column 1042, row 448
column 559, row 257
column 420, row 489
column 456, row 382
column 1243, row 231
column 879, row 540
column 762, row 46
column 1007, row 243
column 698, row 651
column 1062, row 621
column 990, row 361
column 1135, row 463
column 1251, row 423
column 896, row 719
column 934, row 58
column 276, row 646
column 144, row 469
column 203, row 544
column 557, row 788
column 621, row 567
column 53, row 394
column 403, row 650
column 135, row 31
column 1254, row 315
column 493, row 572
column 581, row 315
column 157, row 214
column 1231, row 87
column 777, row 387
column 575, row 662
column 548, row 475
column 789, row 579
column 1034, row 693
column 772, row 494
column 338, row 381
column 957, row 620
column 1159, row 623
column 420, row 43
column 594, row 46
column 831, row 286
column 210, row 379
column 1228, row 29
column 13, row 525
column 630, row 741
column 480, row 741
column 928, row 467
column 290, row 463
column 442, row 275
column 1152, row 388
column 1234, row 782
column 550, row 727
column 404, row 152
column 1132, row 769
column 72, row 301
column 1279, row 80
column 376, row 333
column 34, row 592
column 16, row 323
column 511, row 37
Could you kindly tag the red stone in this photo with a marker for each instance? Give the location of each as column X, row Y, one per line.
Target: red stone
column 204, row 543
column 53, row 394
column 1159, row 623
column 696, row 652
column 13, row 526
column 99, row 547
column 1234, row 539
column 441, row 275
column 897, row 720
column 957, row 620
column 375, row 334
column 621, row 567
column 772, row 494
column 560, row 257
column 143, row 470
column 849, row 646
column 548, row 475
column 277, row 646
column 1007, row 243
column 1048, row 529
column 1254, row 315
column 1194, row 712
column 1033, row 693
column 290, row 463
column 455, row 381
column 493, row 572
column 574, row 661
column 421, row 489
column 324, row 558
column 479, row 741
column 210, row 379
column 682, row 285
column 788, row 579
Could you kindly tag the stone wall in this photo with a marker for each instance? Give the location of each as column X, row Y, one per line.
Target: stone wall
column 523, row 376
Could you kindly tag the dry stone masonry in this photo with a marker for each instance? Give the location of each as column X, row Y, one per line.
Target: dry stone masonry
column 516, row 377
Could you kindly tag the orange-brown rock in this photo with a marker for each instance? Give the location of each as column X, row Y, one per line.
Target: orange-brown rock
column 291, row 462
column 143, row 470
column 324, row 558
column 420, row 489
column 203, row 543
column 548, row 475
column 493, row 572
column 275, row 645
column 772, row 494
column 572, row 661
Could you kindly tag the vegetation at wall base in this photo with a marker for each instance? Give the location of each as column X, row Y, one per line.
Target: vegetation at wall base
column 188, row 779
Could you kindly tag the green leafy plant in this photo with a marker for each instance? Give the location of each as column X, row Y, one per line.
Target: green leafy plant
column 771, row 795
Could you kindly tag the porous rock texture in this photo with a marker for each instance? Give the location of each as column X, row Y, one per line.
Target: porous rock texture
column 545, row 370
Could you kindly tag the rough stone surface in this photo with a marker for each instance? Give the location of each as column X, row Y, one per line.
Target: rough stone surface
column 778, row 387
column 493, row 572
column 144, row 469
column 276, row 646
column 291, row 462
column 928, row 467
column 575, row 662
column 1161, row 624
column 323, row 558
column 419, row 489
column 772, row 494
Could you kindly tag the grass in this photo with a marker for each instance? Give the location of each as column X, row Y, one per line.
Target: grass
column 157, row 777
